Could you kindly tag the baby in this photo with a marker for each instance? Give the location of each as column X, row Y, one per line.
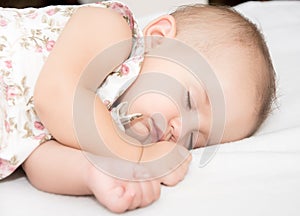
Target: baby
column 52, row 158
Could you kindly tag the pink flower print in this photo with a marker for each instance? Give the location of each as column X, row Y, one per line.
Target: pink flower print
column 51, row 11
column 50, row 45
column 11, row 92
column 124, row 10
column 38, row 49
column 32, row 15
column 6, row 167
column 7, row 126
column 107, row 103
column 40, row 136
column 3, row 22
column 38, row 125
column 125, row 69
column 8, row 64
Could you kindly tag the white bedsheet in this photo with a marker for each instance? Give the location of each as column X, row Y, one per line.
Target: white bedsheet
column 255, row 176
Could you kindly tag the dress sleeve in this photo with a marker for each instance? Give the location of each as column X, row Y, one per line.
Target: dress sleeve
column 119, row 80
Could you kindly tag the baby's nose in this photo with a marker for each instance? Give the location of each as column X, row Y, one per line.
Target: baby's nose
column 181, row 127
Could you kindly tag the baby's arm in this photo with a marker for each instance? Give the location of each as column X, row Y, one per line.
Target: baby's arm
column 89, row 31
column 56, row 168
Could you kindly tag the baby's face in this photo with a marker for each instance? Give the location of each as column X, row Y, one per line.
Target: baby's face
column 173, row 114
column 163, row 115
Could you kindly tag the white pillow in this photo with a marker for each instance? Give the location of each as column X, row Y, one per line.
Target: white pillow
column 279, row 21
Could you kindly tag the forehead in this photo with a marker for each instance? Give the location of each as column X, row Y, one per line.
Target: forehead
column 237, row 70
column 170, row 68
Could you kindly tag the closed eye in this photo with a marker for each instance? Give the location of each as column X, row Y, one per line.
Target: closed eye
column 191, row 142
column 188, row 100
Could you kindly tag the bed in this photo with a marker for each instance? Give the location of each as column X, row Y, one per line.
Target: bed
column 259, row 175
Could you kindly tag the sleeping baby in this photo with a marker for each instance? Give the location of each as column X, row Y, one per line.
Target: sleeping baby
column 74, row 136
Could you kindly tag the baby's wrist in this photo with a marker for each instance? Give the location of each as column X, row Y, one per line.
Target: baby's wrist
column 89, row 174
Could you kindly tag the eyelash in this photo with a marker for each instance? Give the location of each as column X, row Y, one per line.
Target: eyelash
column 188, row 100
column 191, row 142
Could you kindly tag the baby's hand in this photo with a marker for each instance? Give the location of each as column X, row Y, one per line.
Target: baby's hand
column 178, row 174
column 121, row 195
column 172, row 161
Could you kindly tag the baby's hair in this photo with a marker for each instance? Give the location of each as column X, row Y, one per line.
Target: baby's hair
column 225, row 26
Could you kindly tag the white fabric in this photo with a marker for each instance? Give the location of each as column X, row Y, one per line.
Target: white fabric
column 255, row 176
column 280, row 23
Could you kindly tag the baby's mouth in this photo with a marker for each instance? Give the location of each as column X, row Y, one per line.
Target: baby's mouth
column 159, row 129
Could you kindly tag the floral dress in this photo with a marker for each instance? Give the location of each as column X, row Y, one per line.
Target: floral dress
column 27, row 36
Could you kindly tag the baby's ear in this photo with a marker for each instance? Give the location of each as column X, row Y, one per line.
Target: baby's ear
column 164, row 26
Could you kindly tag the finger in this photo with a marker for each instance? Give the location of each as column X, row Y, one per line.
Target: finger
column 156, row 189
column 136, row 189
column 148, row 195
column 118, row 200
